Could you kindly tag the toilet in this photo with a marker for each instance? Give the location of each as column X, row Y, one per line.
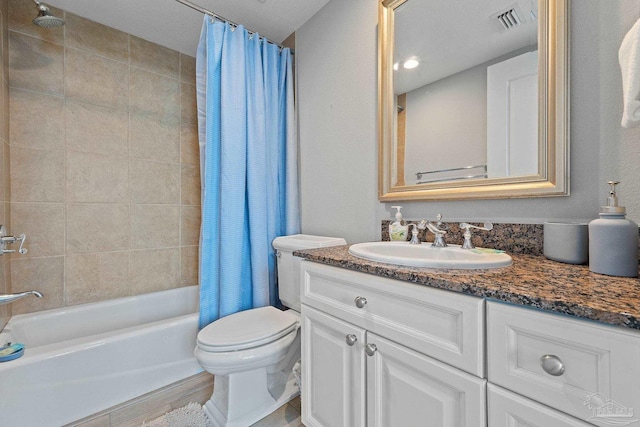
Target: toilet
column 252, row 353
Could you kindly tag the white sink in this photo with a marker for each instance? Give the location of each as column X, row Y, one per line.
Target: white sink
column 425, row 255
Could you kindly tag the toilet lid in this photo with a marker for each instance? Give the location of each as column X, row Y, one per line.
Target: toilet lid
column 247, row 329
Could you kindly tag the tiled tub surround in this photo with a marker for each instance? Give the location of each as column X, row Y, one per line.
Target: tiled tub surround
column 530, row 281
column 104, row 162
column 5, row 190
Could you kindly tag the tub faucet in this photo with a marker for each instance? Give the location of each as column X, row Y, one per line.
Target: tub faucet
column 8, row 298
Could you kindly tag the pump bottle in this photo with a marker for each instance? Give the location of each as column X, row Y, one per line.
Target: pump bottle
column 613, row 240
column 398, row 230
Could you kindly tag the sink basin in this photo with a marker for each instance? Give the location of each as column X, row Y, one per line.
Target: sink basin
column 425, row 255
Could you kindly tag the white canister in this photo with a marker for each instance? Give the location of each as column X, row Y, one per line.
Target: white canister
column 566, row 242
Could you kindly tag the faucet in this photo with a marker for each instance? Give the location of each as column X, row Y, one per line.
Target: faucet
column 8, row 298
column 438, row 230
column 487, row 226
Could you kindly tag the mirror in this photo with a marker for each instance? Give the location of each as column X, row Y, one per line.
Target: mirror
column 473, row 99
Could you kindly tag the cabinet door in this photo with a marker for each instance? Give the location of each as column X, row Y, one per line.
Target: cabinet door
column 333, row 371
column 406, row 388
column 508, row 409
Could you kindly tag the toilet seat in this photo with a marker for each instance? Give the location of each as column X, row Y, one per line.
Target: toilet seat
column 247, row 329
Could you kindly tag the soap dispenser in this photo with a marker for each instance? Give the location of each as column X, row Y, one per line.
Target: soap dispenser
column 613, row 240
column 398, row 230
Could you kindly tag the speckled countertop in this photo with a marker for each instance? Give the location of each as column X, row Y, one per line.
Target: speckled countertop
column 530, row 281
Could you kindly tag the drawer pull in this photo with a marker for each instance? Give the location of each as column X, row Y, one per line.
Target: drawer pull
column 360, row 302
column 370, row 349
column 552, row 365
column 351, row 339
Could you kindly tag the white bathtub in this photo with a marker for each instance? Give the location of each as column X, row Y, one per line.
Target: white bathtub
column 81, row 360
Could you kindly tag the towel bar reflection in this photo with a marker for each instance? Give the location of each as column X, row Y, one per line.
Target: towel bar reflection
column 6, row 240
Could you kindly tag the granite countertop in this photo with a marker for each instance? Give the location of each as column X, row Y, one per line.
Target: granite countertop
column 531, row 280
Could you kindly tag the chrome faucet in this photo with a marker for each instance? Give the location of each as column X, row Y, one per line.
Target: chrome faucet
column 487, row 226
column 8, row 298
column 439, row 231
column 414, row 232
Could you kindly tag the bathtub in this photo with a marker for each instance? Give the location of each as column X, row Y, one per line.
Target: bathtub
column 83, row 359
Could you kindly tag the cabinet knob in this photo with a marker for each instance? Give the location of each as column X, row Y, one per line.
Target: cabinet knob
column 351, row 339
column 552, row 365
column 360, row 302
column 370, row 349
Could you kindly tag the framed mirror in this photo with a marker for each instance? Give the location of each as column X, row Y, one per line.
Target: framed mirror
column 473, row 99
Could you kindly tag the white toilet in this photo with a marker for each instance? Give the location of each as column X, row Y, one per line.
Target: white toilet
column 252, row 353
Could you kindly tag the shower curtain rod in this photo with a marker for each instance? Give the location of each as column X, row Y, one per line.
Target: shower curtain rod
column 223, row 19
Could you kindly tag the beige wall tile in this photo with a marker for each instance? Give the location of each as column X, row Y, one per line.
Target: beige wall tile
column 190, row 225
column 97, row 178
column 6, row 169
column 189, row 265
column 96, row 129
column 155, row 226
column 187, row 69
column 37, row 119
column 21, row 13
column 5, row 40
column 36, row 175
column 155, row 58
column 84, row 34
column 96, row 277
column 35, row 64
column 190, row 185
column 153, row 95
column 4, row 106
column 154, row 270
column 40, row 274
column 43, row 223
column 5, row 109
column 99, row 227
column 154, row 182
column 189, row 144
column 153, row 139
column 96, row 80
column 188, row 105
column 4, row 174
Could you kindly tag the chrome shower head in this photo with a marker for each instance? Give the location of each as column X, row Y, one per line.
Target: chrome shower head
column 45, row 19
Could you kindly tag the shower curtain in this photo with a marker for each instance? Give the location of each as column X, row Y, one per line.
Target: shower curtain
column 248, row 163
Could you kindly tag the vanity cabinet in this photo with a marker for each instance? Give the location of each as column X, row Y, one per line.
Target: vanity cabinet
column 381, row 352
column 582, row 368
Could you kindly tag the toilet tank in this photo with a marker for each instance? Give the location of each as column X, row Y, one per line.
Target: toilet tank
column 289, row 265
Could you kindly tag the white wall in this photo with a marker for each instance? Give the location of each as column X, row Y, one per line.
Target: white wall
column 337, row 82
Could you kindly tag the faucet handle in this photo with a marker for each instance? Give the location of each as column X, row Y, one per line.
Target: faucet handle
column 487, row 226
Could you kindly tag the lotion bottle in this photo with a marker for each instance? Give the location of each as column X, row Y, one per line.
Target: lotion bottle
column 613, row 240
column 398, row 230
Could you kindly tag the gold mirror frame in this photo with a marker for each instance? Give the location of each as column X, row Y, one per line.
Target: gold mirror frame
column 553, row 122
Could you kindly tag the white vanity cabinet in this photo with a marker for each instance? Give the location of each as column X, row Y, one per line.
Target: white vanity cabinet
column 588, row 370
column 381, row 352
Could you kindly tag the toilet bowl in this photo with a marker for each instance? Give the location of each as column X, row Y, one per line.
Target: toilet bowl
column 252, row 353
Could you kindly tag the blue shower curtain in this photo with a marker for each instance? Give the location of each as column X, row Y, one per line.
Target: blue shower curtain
column 248, row 163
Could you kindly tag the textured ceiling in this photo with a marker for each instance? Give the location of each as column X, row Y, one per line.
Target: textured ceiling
column 176, row 26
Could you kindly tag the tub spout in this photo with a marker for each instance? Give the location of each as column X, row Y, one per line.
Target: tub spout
column 8, row 298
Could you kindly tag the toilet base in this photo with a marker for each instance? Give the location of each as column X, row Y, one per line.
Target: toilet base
column 242, row 416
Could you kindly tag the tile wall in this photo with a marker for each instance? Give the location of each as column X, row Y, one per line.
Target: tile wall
column 5, row 191
column 104, row 173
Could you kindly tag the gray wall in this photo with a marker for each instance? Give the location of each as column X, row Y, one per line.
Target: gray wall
column 336, row 57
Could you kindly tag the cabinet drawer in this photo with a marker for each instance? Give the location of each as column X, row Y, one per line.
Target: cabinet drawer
column 506, row 409
column 601, row 373
column 444, row 325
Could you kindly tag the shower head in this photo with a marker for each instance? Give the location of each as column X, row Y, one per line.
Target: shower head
column 45, row 19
